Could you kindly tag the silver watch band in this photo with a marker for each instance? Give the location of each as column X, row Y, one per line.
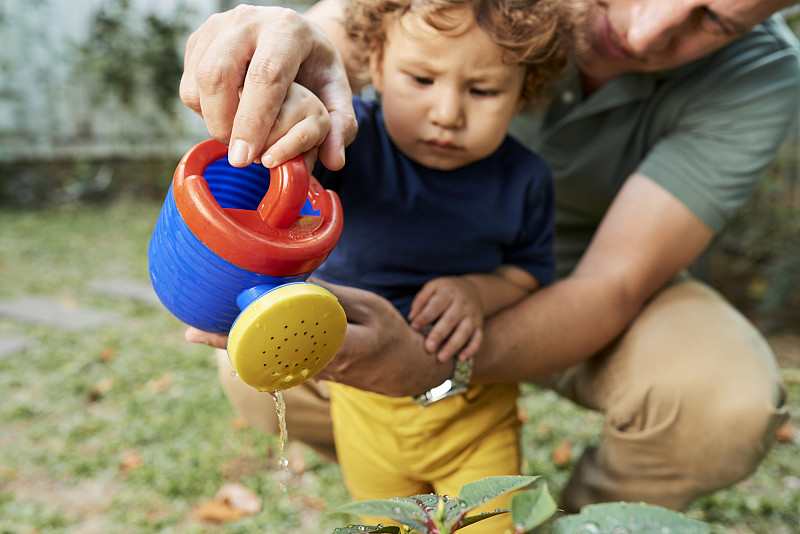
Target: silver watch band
column 455, row 385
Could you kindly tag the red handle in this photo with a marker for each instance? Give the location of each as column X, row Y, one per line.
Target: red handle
column 287, row 193
column 262, row 242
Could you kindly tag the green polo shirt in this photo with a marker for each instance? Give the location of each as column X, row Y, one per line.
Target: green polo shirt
column 705, row 132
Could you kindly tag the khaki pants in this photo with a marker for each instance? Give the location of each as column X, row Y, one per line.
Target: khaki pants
column 691, row 394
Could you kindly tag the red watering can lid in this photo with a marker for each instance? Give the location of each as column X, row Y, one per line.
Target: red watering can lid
column 274, row 240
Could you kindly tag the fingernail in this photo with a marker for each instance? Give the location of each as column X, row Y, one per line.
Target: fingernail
column 341, row 152
column 238, row 152
column 267, row 161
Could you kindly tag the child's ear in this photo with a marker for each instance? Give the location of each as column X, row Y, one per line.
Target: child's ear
column 376, row 69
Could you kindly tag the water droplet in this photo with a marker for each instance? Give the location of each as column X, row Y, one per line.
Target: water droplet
column 288, row 378
column 233, row 374
column 396, row 510
column 304, row 373
column 589, row 528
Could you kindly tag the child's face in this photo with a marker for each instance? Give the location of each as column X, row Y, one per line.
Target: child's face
column 447, row 99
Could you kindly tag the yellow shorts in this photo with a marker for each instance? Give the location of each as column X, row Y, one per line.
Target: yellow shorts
column 391, row 447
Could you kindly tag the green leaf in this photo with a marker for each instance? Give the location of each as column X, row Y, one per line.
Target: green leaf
column 364, row 529
column 480, row 517
column 484, row 490
column 629, row 517
column 531, row 508
column 405, row 510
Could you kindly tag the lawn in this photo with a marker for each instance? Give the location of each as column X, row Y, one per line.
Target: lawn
column 124, row 429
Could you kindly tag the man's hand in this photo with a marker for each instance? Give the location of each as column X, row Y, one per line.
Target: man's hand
column 238, row 68
column 381, row 353
column 218, row 341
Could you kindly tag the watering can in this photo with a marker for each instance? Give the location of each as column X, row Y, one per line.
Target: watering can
column 231, row 252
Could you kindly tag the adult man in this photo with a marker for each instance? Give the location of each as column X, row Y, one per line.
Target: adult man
column 676, row 110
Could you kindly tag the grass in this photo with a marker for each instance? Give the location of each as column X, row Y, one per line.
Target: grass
column 124, row 428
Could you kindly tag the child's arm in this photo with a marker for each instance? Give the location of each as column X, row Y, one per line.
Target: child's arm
column 456, row 305
column 302, row 120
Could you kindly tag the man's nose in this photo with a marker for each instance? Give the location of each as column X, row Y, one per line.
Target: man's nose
column 653, row 26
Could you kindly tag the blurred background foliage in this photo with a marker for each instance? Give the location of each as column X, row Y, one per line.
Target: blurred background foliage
column 128, row 62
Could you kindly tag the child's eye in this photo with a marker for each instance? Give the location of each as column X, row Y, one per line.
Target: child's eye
column 712, row 23
column 421, row 80
column 483, row 92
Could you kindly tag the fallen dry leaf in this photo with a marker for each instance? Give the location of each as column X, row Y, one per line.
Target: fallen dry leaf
column 240, row 498
column 786, row 433
column 159, row 384
column 130, row 460
column 231, row 503
column 308, row 502
column 217, row 511
column 238, row 423
column 522, row 414
column 107, row 354
column 101, row 388
column 562, row 453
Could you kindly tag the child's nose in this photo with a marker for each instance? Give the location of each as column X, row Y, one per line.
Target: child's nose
column 447, row 109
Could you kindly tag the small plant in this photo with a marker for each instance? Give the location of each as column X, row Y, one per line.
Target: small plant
column 437, row 514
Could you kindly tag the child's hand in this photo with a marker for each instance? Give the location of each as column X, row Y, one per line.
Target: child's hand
column 453, row 307
column 302, row 121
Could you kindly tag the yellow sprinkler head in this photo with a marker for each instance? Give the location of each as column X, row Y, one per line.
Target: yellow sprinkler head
column 286, row 336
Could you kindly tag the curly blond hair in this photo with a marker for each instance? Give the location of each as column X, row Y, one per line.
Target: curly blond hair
column 531, row 32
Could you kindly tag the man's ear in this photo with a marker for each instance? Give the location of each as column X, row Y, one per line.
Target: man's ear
column 376, row 68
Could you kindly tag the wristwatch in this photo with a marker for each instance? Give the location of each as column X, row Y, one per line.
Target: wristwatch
column 455, row 385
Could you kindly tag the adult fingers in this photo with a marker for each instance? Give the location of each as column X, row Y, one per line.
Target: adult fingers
column 239, row 66
column 194, row 335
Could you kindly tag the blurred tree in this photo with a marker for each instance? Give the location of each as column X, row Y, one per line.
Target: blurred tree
column 134, row 55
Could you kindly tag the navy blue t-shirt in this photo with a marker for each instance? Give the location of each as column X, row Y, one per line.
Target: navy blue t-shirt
column 405, row 224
